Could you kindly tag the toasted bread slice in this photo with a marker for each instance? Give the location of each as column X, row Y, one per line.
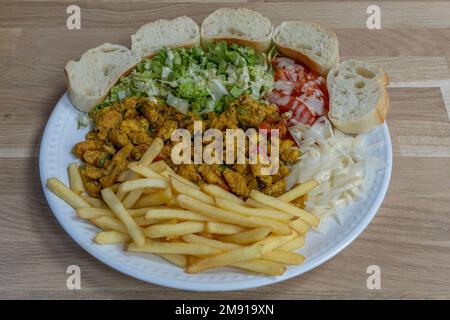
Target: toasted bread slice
column 307, row 42
column 359, row 99
column 241, row 26
column 90, row 78
column 153, row 36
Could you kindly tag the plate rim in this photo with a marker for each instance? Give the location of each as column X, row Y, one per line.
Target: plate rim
column 259, row 281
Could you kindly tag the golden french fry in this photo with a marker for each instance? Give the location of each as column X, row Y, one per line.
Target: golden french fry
column 158, row 166
column 170, row 230
column 117, row 207
column 217, row 192
column 150, row 191
column 294, row 244
column 194, row 193
column 177, row 259
column 96, row 203
column 270, row 243
column 143, row 183
column 227, row 258
column 285, row 207
column 298, row 191
column 152, row 152
column 125, row 176
column 253, row 212
column 231, row 217
column 299, row 225
column 132, row 197
column 255, row 204
column 154, row 199
column 170, row 174
column 66, row 194
column 111, row 237
column 172, row 203
column 261, row 266
column 223, row 246
column 285, row 257
column 90, row 213
column 222, row 228
column 178, row 214
column 142, row 222
column 196, row 249
column 247, row 237
column 147, row 172
column 138, row 212
column 108, row 223
column 75, row 181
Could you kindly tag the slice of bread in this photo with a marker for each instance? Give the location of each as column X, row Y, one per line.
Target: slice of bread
column 153, row 36
column 90, row 78
column 309, row 43
column 359, row 100
column 241, row 26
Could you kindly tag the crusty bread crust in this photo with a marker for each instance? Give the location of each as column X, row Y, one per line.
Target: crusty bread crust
column 304, row 58
column 300, row 57
column 367, row 123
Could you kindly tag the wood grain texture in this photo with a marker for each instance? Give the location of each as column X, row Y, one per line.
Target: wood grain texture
column 409, row 237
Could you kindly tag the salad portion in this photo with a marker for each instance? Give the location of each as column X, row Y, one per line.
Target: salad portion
column 196, row 80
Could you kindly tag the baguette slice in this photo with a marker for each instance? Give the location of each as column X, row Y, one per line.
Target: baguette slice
column 90, row 78
column 359, row 100
column 153, row 36
column 309, row 43
column 241, row 26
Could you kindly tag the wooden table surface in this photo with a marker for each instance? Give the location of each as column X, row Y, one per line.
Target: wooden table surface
column 410, row 236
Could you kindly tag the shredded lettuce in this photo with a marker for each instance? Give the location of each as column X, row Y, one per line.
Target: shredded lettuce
column 197, row 80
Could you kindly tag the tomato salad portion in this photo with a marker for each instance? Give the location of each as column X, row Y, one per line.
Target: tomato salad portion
column 300, row 93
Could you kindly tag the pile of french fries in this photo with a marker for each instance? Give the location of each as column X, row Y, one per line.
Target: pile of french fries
column 153, row 210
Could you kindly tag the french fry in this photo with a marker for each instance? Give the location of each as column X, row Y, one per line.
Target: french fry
column 125, row 176
column 132, row 197
column 158, row 166
column 299, row 225
column 111, row 237
column 116, row 206
column 152, row 152
column 247, row 237
column 261, row 266
column 231, row 217
column 90, row 213
column 285, row 257
column 171, row 230
column 285, row 207
column 75, row 181
column 227, row 258
column 170, row 174
column 178, row 214
column 294, row 244
column 196, row 249
column 138, row 212
column 142, row 222
column 182, row 188
column 222, row 228
column 115, row 187
column 155, row 199
column 96, row 203
column 255, row 204
column 142, row 183
column 107, row 223
column 223, row 246
column 298, row 191
column 66, row 194
column 253, row 212
column 150, row 191
column 177, row 259
column 217, row 192
column 147, row 172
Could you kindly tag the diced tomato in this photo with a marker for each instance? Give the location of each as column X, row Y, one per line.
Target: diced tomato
column 299, row 91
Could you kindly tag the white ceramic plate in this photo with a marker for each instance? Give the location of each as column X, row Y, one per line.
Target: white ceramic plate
column 60, row 136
